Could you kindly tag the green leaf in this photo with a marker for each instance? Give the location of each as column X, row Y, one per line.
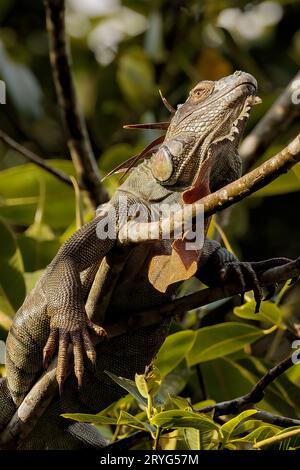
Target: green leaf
column 219, row 340
column 148, row 383
column 228, row 428
column 263, row 432
column 129, row 386
column 175, row 381
column 12, row 283
column 123, row 404
column 175, row 348
column 268, row 312
column 184, row 419
column 209, row 440
column 100, row 419
column 245, row 427
column 141, row 385
column 90, row 418
column 181, row 403
column 130, row 420
column 20, row 195
column 192, row 437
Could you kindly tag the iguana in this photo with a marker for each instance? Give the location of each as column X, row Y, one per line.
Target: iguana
column 198, row 155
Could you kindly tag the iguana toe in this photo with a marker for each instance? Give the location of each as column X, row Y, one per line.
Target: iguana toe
column 50, row 347
column 62, row 359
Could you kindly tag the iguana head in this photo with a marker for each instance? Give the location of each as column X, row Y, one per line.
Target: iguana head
column 209, row 123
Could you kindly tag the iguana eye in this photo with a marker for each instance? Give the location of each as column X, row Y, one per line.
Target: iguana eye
column 202, row 90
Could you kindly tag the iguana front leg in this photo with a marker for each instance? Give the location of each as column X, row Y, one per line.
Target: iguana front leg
column 65, row 300
column 219, row 266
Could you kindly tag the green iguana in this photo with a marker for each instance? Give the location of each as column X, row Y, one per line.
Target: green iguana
column 198, row 155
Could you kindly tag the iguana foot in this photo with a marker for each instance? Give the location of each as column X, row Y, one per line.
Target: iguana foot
column 262, row 266
column 242, row 274
column 61, row 338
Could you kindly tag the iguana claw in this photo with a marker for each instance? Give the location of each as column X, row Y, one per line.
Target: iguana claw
column 244, row 275
column 61, row 338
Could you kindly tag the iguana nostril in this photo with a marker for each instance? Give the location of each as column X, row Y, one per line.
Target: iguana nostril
column 238, row 72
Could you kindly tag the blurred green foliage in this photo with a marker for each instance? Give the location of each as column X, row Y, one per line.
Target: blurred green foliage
column 123, row 53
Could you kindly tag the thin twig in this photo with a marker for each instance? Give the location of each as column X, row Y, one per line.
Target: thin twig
column 277, row 438
column 77, row 135
column 281, row 114
column 34, row 158
column 38, row 398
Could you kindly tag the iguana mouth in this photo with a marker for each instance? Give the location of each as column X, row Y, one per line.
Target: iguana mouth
column 247, row 83
column 250, row 101
column 227, row 92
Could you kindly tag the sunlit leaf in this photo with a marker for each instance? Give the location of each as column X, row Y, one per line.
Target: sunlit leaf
column 129, row 386
column 175, row 348
column 192, row 437
column 228, row 428
column 184, row 419
column 219, row 340
column 90, row 418
column 268, row 312
column 263, row 432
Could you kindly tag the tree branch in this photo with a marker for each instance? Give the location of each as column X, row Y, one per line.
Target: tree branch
column 34, row 158
column 39, row 397
column 275, row 121
column 133, row 232
column 254, row 180
column 77, row 136
column 239, row 404
column 277, row 420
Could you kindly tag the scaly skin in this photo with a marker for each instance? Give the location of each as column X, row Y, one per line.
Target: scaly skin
column 206, row 128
